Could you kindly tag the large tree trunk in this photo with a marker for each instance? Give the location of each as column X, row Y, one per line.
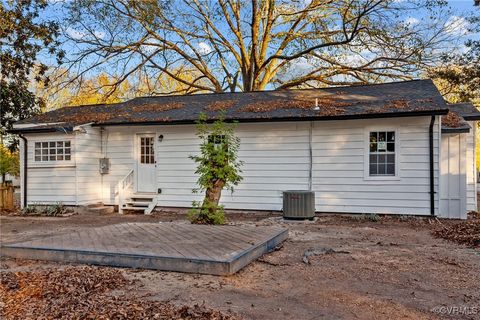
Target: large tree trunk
column 213, row 194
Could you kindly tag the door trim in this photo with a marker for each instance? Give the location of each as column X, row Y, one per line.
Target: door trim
column 136, row 156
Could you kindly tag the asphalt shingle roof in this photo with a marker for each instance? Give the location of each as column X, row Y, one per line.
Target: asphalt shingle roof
column 456, row 120
column 366, row 101
column 465, row 110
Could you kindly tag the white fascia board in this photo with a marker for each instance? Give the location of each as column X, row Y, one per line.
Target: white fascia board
column 81, row 127
column 34, row 125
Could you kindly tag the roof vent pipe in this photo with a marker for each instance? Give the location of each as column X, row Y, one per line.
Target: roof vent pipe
column 316, row 104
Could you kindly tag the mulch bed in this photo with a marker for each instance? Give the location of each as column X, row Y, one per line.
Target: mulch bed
column 466, row 232
column 85, row 293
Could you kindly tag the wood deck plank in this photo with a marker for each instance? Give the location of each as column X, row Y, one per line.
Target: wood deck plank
column 197, row 241
column 111, row 239
column 203, row 243
column 97, row 240
column 228, row 239
column 177, row 240
column 151, row 241
column 125, row 244
column 84, row 245
column 165, row 241
column 163, row 246
column 225, row 239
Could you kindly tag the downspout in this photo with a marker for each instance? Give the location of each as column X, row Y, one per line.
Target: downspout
column 25, row 163
column 310, row 170
column 432, row 172
column 103, row 154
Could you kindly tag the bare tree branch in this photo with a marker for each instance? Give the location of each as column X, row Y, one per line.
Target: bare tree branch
column 217, row 45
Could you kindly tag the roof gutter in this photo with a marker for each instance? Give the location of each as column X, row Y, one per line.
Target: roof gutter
column 286, row 119
column 456, row 130
column 39, row 130
column 432, row 177
column 471, row 117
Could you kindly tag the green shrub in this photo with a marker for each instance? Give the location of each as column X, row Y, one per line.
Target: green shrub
column 218, row 168
column 54, row 210
column 30, row 210
column 206, row 213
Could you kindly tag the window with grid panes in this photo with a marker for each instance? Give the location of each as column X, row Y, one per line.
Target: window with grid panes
column 217, row 140
column 49, row 151
column 147, row 152
column 382, row 153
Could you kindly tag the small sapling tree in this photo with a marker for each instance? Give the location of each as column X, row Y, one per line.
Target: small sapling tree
column 218, row 168
column 9, row 163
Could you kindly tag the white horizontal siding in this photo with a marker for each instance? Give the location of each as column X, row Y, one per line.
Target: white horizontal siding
column 339, row 178
column 119, row 144
column 49, row 183
column 87, row 166
column 74, row 183
column 282, row 142
column 276, row 158
column 275, row 155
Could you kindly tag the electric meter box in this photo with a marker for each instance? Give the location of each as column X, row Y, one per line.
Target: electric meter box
column 104, row 165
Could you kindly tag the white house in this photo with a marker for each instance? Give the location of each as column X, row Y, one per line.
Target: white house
column 362, row 149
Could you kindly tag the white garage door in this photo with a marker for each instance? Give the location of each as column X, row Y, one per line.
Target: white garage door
column 453, row 177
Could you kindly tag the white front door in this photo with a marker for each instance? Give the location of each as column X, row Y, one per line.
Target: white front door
column 146, row 163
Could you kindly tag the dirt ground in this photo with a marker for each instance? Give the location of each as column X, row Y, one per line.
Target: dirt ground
column 387, row 269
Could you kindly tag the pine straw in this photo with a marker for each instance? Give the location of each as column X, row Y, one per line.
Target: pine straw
column 402, row 105
column 84, row 293
column 88, row 114
column 221, row 105
column 466, row 232
column 328, row 106
column 451, row 120
column 156, row 107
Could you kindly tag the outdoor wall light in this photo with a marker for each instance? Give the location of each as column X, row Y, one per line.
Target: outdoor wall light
column 160, row 138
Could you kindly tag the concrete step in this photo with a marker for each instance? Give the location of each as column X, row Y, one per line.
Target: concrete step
column 101, row 210
column 95, row 205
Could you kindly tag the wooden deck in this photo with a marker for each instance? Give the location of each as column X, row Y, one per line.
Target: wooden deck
column 181, row 247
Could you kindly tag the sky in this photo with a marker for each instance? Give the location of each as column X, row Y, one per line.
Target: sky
column 457, row 23
column 459, row 8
